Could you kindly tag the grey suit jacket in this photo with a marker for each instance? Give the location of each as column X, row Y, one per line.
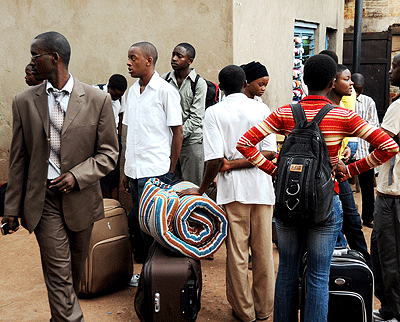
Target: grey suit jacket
column 89, row 150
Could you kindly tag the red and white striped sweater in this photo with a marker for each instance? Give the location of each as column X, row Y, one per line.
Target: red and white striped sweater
column 336, row 125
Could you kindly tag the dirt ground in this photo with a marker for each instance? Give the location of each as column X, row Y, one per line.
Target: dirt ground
column 23, row 296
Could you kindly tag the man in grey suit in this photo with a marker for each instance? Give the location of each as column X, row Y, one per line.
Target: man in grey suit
column 64, row 140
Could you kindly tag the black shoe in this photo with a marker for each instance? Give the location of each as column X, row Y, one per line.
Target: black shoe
column 378, row 316
column 369, row 224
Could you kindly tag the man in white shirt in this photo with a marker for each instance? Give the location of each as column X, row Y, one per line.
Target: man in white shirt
column 245, row 192
column 154, row 134
column 385, row 238
column 366, row 108
column 116, row 87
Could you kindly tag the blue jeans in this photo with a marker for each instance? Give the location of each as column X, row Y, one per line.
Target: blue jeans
column 140, row 241
column 319, row 242
column 350, row 212
column 353, row 147
column 352, row 227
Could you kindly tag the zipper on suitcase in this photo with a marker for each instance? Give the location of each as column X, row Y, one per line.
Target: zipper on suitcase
column 355, row 295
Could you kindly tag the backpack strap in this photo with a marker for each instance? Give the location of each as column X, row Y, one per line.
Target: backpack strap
column 194, row 84
column 322, row 112
column 298, row 113
column 167, row 78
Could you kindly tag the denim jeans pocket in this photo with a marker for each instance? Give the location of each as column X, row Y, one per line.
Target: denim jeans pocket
column 336, row 215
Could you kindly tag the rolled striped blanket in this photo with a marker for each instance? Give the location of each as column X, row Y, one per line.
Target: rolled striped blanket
column 194, row 226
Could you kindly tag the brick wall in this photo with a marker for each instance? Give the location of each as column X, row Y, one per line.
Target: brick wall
column 373, row 9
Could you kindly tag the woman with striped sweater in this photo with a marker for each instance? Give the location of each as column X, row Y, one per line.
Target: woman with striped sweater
column 319, row 241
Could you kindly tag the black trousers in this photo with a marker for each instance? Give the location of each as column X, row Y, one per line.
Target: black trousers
column 385, row 254
column 366, row 180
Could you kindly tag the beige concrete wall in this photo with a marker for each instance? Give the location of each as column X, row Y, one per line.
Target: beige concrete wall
column 100, row 33
column 263, row 31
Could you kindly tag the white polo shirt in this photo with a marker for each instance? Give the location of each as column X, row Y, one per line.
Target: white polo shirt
column 224, row 125
column 149, row 117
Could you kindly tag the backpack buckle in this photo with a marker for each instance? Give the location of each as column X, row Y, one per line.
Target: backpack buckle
column 289, row 189
column 296, row 202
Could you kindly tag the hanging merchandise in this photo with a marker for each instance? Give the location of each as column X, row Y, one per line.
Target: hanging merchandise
column 303, row 48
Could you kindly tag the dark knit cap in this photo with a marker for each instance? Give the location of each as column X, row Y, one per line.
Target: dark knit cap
column 254, row 70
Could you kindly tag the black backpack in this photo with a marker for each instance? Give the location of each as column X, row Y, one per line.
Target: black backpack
column 304, row 185
column 101, row 86
column 213, row 92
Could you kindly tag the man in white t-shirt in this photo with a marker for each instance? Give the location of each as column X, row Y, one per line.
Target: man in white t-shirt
column 366, row 108
column 116, row 87
column 154, row 134
column 245, row 192
column 385, row 238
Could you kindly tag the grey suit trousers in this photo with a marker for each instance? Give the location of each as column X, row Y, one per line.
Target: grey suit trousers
column 63, row 254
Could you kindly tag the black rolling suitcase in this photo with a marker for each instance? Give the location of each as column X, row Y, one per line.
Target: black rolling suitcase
column 351, row 288
column 169, row 287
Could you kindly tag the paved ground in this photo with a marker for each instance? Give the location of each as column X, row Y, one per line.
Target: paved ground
column 23, row 295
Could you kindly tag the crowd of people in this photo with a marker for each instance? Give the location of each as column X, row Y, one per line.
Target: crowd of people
column 66, row 149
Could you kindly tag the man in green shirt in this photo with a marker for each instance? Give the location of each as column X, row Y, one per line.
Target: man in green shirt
column 193, row 96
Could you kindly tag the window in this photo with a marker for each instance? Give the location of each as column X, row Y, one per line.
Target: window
column 330, row 43
column 303, row 48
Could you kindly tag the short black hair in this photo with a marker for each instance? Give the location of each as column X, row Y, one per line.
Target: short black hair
column 54, row 42
column 231, row 79
column 189, row 49
column 340, row 68
column 331, row 54
column 319, row 71
column 148, row 49
column 118, row 82
column 358, row 79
